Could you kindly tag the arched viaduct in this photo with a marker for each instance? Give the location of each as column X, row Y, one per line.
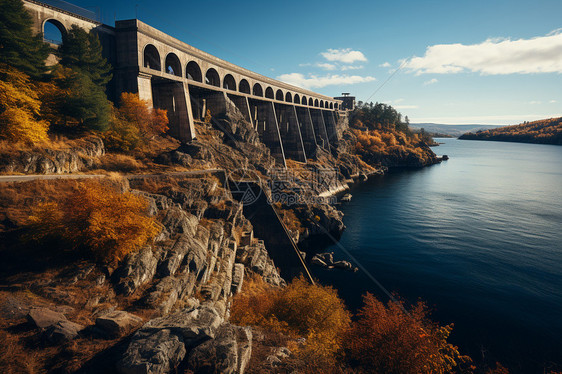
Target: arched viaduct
column 187, row 82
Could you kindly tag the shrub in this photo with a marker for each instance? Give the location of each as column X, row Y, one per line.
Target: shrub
column 134, row 123
column 95, row 217
column 301, row 309
column 387, row 339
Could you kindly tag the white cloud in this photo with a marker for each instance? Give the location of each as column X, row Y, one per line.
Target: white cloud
column 326, row 66
column 535, row 102
column 346, row 56
column 314, row 81
column 351, row 67
column 552, row 102
column 541, row 54
column 431, row 81
column 385, row 65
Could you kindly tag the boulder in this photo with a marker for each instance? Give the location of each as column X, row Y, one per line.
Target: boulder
column 117, row 323
column 155, row 352
column 193, row 325
column 62, row 332
column 228, row 352
column 44, row 318
column 139, row 268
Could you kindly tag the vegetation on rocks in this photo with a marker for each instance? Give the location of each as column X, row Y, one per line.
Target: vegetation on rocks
column 95, row 217
column 546, row 131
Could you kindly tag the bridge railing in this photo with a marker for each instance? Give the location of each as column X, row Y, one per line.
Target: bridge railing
column 71, row 8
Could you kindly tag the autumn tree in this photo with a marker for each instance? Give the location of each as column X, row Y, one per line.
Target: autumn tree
column 20, row 108
column 134, row 123
column 82, row 51
column 19, row 48
column 97, row 218
column 388, row 339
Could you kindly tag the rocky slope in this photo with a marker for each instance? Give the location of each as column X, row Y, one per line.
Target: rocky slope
column 165, row 308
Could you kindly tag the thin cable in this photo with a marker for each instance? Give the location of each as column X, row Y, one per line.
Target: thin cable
column 387, row 79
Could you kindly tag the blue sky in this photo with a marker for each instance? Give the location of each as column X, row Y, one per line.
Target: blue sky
column 490, row 62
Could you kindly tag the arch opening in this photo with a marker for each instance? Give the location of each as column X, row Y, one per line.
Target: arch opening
column 310, row 102
column 321, row 103
column 331, row 105
column 229, row 82
column 244, row 86
column 316, row 104
column 297, row 99
column 152, row 58
column 279, row 95
column 258, row 90
column 304, row 100
column 212, row 78
column 288, row 97
column 193, row 71
column 53, row 32
column 269, row 93
column 173, row 65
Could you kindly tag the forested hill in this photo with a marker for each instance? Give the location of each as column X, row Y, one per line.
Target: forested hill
column 546, row 131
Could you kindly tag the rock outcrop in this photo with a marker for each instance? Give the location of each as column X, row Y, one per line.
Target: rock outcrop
column 50, row 161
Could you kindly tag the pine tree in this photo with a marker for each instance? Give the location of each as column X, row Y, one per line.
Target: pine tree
column 82, row 51
column 19, row 48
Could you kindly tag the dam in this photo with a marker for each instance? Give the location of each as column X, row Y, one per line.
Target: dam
column 189, row 83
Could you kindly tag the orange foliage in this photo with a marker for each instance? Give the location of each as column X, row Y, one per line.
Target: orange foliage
column 386, row 339
column 300, row 309
column 134, row 122
column 96, row 217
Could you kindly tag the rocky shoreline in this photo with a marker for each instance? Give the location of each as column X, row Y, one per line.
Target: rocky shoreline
column 167, row 306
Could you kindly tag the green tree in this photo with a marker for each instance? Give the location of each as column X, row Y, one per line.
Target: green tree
column 72, row 102
column 82, row 51
column 19, row 48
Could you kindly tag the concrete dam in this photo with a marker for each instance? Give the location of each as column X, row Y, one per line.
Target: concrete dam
column 187, row 82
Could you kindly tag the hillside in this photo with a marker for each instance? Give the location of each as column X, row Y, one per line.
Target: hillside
column 451, row 130
column 546, row 131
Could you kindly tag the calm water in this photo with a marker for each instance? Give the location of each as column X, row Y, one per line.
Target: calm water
column 478, row 237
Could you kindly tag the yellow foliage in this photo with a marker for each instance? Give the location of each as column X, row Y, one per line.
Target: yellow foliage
column 19, row 108
column 108, row 223
column 300, row 309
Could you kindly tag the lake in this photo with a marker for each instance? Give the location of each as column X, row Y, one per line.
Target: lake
column 478, row 237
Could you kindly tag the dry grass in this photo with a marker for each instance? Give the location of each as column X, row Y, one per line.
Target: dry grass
column 119, row 163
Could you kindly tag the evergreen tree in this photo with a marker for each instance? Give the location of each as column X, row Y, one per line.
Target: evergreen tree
column 74, row 103
column 82, row 51
column 19, row 48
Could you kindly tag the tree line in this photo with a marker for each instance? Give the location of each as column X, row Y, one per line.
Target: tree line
column 68, row 98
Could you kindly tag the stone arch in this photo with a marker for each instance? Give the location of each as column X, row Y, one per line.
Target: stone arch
column 269, row 93
column 288, row 97
column 193, row 72
column 279, row 95
column 304, row 101
column 173, row 65
column 316, row 104
column 212, row 78
column 229, row 83
column 297, row 99
column 244, row 86
column 152, row 58
column 257, row 90
column 53, row 31
column 321, row 103
column 331, row 105
column 310, row 102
